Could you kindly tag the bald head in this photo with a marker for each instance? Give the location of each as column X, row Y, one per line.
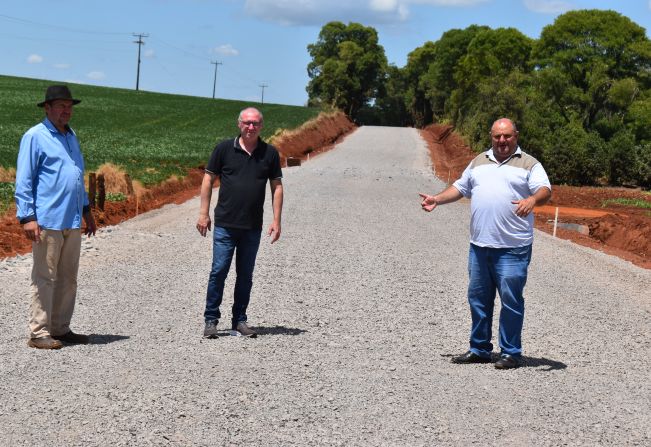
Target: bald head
column 504, row 122
column 504, row 137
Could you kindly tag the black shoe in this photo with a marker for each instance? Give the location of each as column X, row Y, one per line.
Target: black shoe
column 72, row 338
column 507, row 362
column 210, row 329
column 470, row 357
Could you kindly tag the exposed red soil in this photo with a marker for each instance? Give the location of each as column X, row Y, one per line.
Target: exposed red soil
column 619, row 230
column 312, row 138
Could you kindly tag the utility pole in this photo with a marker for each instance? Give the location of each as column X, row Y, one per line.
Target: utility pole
column 140, row 44
column 263, row 87
column 214, row 82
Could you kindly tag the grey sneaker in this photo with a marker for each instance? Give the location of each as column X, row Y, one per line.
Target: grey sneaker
column 210, row 330
column 243, row 330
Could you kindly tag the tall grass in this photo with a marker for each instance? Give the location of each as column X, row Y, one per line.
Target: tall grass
column 152, row 136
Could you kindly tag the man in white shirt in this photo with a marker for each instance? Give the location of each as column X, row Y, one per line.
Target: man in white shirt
column 504, row 184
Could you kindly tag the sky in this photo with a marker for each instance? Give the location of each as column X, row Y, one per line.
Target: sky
column 256, row 48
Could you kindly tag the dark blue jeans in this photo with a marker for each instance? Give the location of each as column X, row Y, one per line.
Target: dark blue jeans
column 503, row 270
column 226, row 241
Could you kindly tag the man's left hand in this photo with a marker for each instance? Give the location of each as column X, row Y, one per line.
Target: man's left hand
column 524, row 206
column 91, row 228
column 274, row 231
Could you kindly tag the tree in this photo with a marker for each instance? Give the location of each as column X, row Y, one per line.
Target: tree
column 348, row 67
column 439, row 79
column 484, row 73
column 429, row 74
column 586, row 54
column 575, row 157
column 416, row 102
column 389, row 107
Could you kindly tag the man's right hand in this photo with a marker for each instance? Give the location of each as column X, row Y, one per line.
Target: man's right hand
column 203, row 224
column 32, row 231
column 428, row 203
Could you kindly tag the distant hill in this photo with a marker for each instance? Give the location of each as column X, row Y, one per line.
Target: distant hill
column 150, row 135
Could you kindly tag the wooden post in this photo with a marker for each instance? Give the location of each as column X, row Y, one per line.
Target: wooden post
column 555, row 222
column 101, row 192
column 127, row 179
column 92, row 191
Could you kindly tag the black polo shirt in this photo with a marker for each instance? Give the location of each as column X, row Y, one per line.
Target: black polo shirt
column 243, row 181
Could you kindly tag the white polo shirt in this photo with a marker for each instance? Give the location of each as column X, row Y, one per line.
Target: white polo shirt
column 492, row 186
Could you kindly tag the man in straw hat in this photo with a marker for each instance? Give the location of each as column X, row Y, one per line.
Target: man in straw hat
column 51, row 201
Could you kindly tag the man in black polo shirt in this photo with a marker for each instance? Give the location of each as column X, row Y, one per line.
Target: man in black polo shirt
column 243, row 165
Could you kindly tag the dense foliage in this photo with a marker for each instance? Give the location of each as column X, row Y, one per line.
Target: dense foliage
column 580, row 93
column 347, row 68
column 151, row 135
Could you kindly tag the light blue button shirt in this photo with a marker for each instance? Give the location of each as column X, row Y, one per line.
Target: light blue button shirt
column 50, row 178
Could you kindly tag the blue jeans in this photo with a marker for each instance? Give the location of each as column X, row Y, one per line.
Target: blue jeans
column 225, row 243
column 503, row 270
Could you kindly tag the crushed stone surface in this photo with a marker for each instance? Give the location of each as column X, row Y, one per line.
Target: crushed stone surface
column 360, row 306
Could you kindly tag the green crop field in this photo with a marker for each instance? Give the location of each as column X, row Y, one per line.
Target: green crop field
column 151, row 135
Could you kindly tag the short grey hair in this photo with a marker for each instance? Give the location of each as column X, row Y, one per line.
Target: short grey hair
column 239, row 118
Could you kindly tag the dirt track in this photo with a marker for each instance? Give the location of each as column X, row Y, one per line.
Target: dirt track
column 360, row 306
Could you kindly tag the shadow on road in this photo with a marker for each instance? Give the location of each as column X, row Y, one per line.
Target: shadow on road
column 278, row 330
column 534, row 362
column 528, row 362
column 105, row 339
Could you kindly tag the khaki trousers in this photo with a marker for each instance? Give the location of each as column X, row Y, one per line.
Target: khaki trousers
column 54, row 281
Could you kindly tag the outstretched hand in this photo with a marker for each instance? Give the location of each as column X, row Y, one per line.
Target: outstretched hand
column 428, row 203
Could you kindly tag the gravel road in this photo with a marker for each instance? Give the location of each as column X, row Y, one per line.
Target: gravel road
column 360, row 306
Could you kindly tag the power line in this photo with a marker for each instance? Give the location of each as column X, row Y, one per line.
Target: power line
column 74, row 30
column 214, row 82
column 140, row 44
column 179, row 49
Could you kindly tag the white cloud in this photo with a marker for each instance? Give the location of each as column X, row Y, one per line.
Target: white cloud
column 61, row 66
column 149, row 54
column 34, row 59
column 96, row 75
column 548, row 6
column 226, row 50
column 317, row 12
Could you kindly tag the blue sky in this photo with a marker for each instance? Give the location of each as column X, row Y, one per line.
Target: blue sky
column 258, row 42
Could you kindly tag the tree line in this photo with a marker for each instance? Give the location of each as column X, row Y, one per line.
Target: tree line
column 580, row 94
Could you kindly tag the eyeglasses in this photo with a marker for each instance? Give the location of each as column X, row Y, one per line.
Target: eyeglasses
column 507, row 136
column 251, row 123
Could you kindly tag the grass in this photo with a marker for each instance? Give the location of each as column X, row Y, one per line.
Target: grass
column 136, row 130
column 151, row 136
column 637, row 203
column 7, row 190
column 115, row 197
